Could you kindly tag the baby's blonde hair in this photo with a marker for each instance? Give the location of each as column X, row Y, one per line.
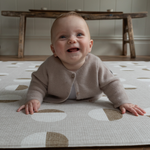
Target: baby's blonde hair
column 71, row 13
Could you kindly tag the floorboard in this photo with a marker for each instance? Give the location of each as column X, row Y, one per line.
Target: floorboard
column 104, row 58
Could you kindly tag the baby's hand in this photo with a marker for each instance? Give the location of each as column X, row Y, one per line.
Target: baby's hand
column 134, row 109
column 30, row 107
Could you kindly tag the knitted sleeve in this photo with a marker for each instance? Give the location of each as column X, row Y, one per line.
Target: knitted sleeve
column 39, row 83
column 112, row 86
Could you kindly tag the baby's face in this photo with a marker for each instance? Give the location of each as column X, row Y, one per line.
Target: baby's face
column 71, row 40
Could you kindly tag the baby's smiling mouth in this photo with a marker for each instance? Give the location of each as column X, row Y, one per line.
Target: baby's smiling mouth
column 73, row 50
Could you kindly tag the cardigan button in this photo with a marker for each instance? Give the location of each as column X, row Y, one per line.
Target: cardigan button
column 72, row 76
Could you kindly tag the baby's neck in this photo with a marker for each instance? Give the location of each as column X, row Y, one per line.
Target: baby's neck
column 74, row 67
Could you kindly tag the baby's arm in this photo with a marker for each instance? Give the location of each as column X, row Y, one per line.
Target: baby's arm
column 134, row 109
column 115, row 91
column 30, row 107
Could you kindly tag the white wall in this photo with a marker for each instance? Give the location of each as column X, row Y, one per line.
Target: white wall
column 107, row 34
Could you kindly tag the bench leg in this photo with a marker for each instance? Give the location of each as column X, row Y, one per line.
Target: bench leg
column 131, row 39
column 124, row 42
column 22, row 28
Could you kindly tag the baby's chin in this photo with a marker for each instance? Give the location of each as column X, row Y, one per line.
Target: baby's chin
column 77, row 55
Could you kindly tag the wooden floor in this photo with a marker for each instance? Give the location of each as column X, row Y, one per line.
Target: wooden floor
column 85, row 148
column 104, row 58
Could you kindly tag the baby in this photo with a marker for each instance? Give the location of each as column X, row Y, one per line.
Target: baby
column 73, row 72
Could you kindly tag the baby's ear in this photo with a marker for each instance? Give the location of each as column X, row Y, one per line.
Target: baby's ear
column 91, row 45
column 53, row 50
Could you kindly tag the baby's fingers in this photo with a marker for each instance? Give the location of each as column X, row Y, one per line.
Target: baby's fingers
column 133, row 111
column 123, row 110
column 20, row 108
column 35, row 108
column 27, row 109
column 141, row 110
column 30, row 108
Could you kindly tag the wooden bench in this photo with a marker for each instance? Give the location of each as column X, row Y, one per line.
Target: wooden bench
column 87, row 15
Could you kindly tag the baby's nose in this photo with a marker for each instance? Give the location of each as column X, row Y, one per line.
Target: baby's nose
column 72, row 40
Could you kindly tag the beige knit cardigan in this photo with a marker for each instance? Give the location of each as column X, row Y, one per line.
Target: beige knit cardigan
column 52, row 82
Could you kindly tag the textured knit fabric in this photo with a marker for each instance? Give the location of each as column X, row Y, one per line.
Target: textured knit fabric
column 52, row 82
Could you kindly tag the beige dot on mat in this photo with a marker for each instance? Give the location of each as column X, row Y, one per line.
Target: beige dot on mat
column 49, row 111
column 129, row 87
column 16, row 87
column 122, row 66
column 126, row 69
column 105, row 114
column 37, row 66
column 144, row 79
column 31, row 70
column 4, row 74
column 45, row 139
column 17, row 63
column 113, row 114
column 9, row 98
column 146, row 69
column 21, row 87
column 104, row 95
column 49, row 115
column 22, row 80
column 56, row 140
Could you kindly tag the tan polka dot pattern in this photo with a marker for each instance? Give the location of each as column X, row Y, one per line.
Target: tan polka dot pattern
column 23, row 78
column 21, row 87
column 122, row 66
column 113, row 114
column 56, row 140
column 50, row 111
column 8, row 101
column 146, row 69
column 143, row 78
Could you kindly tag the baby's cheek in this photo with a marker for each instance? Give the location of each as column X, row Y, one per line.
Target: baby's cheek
column 86, row 43
column 60, row 48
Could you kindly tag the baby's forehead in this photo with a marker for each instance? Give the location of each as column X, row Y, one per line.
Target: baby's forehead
column 60, row 22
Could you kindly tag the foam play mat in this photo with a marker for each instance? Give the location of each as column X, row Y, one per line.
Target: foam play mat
column 73, row 123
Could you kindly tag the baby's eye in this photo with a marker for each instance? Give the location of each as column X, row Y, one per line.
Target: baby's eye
column 79, row 34
column 62, row 37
